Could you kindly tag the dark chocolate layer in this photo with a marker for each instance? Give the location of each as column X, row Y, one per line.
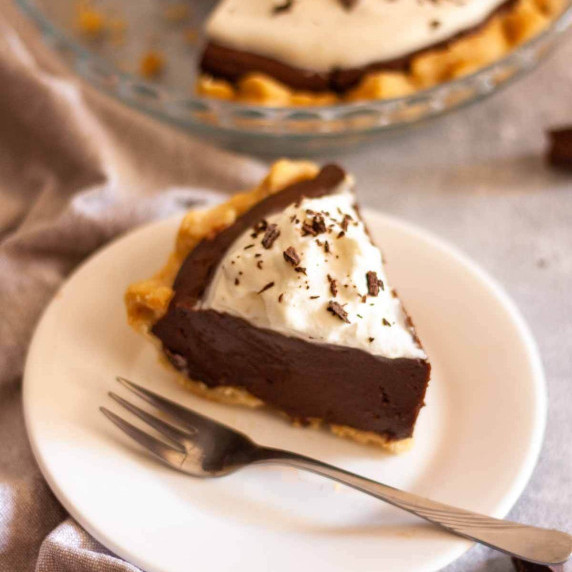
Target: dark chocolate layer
column 339, row 385
column 232, row 64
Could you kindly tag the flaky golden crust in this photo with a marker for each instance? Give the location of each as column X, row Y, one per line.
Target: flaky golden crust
column 464, row 56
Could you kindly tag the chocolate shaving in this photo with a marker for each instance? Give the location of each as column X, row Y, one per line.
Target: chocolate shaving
column 333, row 285
column 271, row 234
column 348, row 4
column 291, row 256
column 346, row 221
column 267, row 287
column 315, row 226
column 385, row 322
column 307, row 228
column 319, row 224
column 261, row 226
column 341, row 234
column 300, row 269
column 259, row 264
column 338, row 311
column 282, row 7
column 326, row 246
column 314, row 297
column 373, row 283
column 281, row 297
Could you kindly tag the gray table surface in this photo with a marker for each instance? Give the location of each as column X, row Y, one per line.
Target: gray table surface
column 477, row 179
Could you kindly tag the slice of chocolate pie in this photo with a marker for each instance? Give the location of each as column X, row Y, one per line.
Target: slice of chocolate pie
column 279, row 297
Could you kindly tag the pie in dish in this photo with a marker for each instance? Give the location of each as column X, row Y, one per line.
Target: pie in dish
column 279, row 297
column 318, row 52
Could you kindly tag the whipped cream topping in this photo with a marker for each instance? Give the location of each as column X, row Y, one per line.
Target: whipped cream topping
column 312, row 272
column 322, row 35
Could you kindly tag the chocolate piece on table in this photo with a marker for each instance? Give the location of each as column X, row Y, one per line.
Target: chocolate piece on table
column 560, row 152
column 524, row 566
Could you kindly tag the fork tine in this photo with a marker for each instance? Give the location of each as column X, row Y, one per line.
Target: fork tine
column 186, row 416
column 166, row 453
column 166, row 429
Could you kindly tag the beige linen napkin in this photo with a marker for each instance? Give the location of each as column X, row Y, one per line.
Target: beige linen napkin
column 76, row 169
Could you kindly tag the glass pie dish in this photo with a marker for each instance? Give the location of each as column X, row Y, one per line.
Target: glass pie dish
column 167, row 35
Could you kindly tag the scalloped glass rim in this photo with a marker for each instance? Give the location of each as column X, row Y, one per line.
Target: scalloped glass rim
column 303, row 122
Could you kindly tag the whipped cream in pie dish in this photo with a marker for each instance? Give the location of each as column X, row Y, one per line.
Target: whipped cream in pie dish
column 321, row 52
column 321, row 253
column 323, row 35
column 279, row 297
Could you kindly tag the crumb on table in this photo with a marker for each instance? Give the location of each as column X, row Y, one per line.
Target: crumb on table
column 117, row 27
column 191, row 36
column 90, row 22
column 177, row 12
column 151, row 64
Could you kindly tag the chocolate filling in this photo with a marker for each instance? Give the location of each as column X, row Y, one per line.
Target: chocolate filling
column 232, row 64
column 339, row 385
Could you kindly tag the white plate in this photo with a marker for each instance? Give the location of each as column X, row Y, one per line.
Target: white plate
column 476, row 441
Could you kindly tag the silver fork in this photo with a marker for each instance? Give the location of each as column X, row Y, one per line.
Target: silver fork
column 202, row 447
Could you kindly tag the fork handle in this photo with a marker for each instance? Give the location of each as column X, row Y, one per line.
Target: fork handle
column 540, row 545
